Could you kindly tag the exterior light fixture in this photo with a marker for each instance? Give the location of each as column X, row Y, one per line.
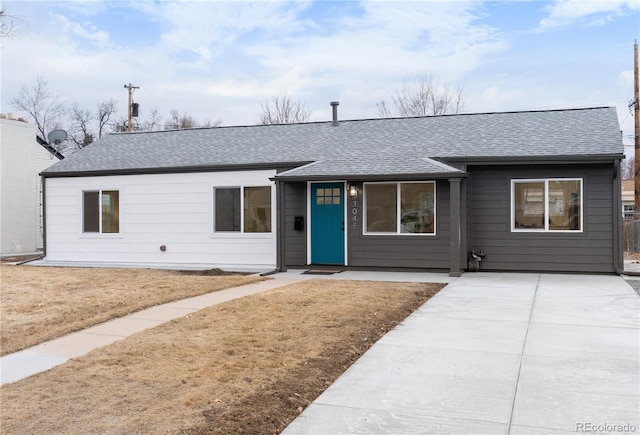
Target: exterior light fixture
column 353, row 190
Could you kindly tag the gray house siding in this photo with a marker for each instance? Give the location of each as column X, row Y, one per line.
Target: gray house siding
column 408, row 251
column 490, row 222
column 295, row 204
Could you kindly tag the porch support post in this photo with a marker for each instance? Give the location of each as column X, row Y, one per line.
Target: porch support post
column 454, row 236
column 280, row 225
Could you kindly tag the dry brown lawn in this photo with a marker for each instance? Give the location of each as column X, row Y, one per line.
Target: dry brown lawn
column 250, row 365
column 41, row 303
column 634, row 256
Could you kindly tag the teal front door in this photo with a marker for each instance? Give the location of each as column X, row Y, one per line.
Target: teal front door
column 327, row 223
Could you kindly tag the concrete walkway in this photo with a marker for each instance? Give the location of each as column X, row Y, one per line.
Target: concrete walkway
column 497, row 354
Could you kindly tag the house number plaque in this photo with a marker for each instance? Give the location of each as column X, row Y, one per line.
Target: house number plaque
column 354, row 215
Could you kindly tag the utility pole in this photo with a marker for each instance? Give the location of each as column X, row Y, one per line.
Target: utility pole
column 636, row 131
column 131, row 88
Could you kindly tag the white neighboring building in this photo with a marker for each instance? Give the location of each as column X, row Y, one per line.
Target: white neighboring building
column 22, row 159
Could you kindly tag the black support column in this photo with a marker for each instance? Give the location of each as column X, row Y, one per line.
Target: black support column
column 280, row 225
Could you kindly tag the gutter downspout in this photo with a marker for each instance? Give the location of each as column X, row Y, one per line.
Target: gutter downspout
column 280, row 228
column 44, row 215
column 618, row 254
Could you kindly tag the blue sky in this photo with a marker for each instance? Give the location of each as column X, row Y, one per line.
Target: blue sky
column 221, row 60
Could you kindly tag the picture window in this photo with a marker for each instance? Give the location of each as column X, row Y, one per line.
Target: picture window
column 400, row 208
column 547, row 205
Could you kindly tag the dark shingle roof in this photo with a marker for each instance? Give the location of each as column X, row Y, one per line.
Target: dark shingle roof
column 363, row 166
column 357, row 147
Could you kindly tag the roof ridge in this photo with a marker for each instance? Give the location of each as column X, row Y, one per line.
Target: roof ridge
column 226, row 127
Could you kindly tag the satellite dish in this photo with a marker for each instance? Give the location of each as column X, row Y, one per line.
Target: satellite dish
column 57, row 136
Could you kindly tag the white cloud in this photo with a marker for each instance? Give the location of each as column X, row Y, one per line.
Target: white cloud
column 398, row 40
column 98, row 39
column 564, row 13
column 625, row 79
column 208, row 27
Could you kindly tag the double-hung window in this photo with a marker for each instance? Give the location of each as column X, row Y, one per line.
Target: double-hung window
column 400, row 208
column 547, row 205
column 254, row 216
column 101, row 211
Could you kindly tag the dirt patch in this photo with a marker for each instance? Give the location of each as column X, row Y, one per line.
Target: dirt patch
column 246, row 366
column 41, row 303
column 212, row 272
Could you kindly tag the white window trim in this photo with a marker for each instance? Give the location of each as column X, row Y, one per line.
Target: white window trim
column 546, row 205
column 399, row 210
column 99, row 233
column 242, row 231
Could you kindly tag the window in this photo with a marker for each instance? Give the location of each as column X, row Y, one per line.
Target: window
column 400, row 208
column 253, row 217
column 227, row 207
column 257, row 209
column 328, row 196
column 101, row 211
column 547, row 205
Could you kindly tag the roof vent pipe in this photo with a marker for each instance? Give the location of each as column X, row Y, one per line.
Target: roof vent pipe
column 334, row 105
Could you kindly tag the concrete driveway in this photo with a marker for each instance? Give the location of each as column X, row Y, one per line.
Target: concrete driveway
column 497, row 354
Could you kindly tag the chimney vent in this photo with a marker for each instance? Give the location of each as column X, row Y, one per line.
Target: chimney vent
column 334, row 105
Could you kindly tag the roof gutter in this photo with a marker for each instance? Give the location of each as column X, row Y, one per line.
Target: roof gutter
column 373, row 177
column 173, row 170
column 560, row 159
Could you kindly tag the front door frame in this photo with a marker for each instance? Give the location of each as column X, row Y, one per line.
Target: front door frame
column 310, row 216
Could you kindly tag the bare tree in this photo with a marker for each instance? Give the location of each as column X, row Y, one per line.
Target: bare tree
column 208, row 123
column 180, row 121
column 84, row 123
column 105, row 111
column 40, row 104
column 283, row 110
column 153, row 122
column 7, row 24
column 422, row 97
column 80, row 126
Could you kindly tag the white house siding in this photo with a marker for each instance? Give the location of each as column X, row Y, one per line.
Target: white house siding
column 174, row 210
column 21, row 160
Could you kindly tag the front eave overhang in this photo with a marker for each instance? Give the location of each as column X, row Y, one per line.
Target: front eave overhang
column 533, row 160
column 173, row 170
column 373, row 177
